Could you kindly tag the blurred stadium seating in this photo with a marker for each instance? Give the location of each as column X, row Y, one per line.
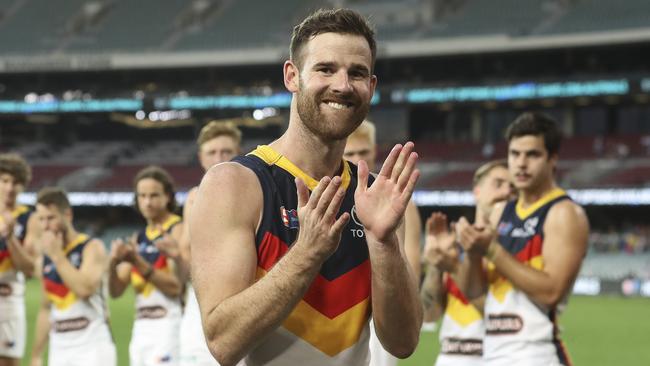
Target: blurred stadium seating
column 100, row 26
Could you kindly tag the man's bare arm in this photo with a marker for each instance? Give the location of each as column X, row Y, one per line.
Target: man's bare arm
column 397, row 310
column 236, row 311
column 566, row 231
column 433, row 294
column 412, row 239
column 23, row 254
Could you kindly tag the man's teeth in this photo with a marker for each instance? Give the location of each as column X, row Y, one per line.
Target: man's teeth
column 336, row 105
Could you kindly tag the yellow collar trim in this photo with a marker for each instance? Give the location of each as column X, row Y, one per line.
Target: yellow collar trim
column 272, row 157
column 153, row 232
column 19, row 211
column 80, row 239
column 523, row 213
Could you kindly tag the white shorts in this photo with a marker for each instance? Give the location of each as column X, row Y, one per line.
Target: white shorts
column 193, row 348
column 458, row 360
column 155, row 342
column 378, row 355
column 13, row 330
column 99, row 354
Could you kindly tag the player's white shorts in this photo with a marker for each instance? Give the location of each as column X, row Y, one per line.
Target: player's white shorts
column 99, row 354
column 13, row 329
column 155, row 342
column 458, row 360
column 378, row 355
column 194, row 350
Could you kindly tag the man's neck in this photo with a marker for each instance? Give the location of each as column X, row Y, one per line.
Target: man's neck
column 158, row 220
column 315, row 157
column 528, row 197
column 7, row 207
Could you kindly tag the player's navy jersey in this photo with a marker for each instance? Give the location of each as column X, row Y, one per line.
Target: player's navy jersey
column 12, row 282
column 151, row 303
column 329, row 326
column 518, row 329
column 74, row 320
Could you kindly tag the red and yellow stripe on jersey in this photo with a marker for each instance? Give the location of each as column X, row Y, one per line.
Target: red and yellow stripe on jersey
column 57, row 292
column 148, row 250
column 332, row 317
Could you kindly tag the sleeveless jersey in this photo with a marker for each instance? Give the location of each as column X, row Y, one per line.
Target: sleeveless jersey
column 74, row 321
column 462, row 330
column 12, row 282
column 518, row 329
column 329, row 326
column 151, row 303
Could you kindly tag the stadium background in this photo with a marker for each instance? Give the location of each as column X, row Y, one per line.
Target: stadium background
column 92, row 91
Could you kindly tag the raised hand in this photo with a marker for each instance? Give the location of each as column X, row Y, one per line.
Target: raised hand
column 320, row 230
column 52, row 244
column 167, row 244
column 121, row 250
column 381, row 206
column 440, row 248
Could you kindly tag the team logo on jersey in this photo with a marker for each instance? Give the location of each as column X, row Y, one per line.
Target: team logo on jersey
column 504, row 228
column 355, row 218
column 528, row 230
column 289, row 218
column 144, row 247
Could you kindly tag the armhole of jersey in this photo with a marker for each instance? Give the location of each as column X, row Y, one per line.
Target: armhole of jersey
column 264, row 177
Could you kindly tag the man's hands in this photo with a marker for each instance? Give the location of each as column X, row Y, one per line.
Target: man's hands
column 475, row 239
column 124, row 251
column 320, row 230
column 167, row 244
column 381, row 206
column 440, row 248
column 52, row 244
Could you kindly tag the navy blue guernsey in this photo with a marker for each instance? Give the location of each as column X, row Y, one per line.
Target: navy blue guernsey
column 335, row 309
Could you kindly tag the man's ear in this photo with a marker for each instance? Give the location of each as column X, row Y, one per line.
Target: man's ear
column 291, row 76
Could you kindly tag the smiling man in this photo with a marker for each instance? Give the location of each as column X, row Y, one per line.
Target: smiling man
column 304, row 245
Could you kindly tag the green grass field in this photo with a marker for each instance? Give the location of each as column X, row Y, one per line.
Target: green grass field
column 597, row 330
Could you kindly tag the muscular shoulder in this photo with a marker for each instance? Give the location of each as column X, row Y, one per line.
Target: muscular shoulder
column 95, row 247
column 567, row 213
column 232, row 186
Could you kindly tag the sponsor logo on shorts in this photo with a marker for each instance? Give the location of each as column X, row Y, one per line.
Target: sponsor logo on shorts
column 10, row 344
column 71, row 325
column 500, row 324
column 463, row 347
column 5, row 289
column 151, row 312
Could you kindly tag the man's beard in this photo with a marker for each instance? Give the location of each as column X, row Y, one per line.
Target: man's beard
column 310, row 113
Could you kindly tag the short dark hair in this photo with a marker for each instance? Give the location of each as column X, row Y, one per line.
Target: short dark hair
column 486, row 168
column 17, row 167
column 53, row 196
column 537, row 124
column 163, row 177
column 342, row 21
